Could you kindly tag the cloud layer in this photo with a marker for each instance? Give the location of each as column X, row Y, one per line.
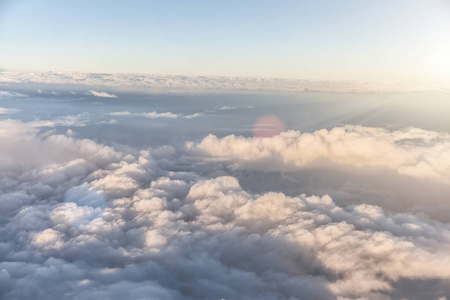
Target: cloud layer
column 180, row 82
column 81, row 220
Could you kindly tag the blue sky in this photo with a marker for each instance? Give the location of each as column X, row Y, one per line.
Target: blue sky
column 381, row 40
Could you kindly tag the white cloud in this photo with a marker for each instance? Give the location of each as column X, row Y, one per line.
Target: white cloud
column 112, row 121
column 82, row 220
column 69, row 120
column 49, row 239
column 413, row 152
column 227, row 107
column 12, row 94
column 221, row 235
column 179, row 82
column 23, row 147
column 101, row 94
column 120, row 113
column 154, row 114
column 150, row 115
column 8, row 111
column 193, row 116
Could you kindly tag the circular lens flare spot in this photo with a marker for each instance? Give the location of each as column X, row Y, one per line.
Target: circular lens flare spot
column 268, row 126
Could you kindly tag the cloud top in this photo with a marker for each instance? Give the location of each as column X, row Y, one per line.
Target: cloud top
column 83, row 220
column 414, row 152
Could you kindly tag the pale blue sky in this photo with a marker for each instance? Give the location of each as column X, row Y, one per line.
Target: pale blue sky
column 382, row 40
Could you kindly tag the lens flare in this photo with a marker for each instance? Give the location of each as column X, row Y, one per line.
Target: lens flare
column 268, row 126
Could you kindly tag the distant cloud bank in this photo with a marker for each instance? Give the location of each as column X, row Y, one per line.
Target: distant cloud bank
column 179, row 82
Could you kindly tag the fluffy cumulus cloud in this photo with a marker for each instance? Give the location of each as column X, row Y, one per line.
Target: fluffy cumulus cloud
column 413, row 152
column 80, row 220
column 24, row 148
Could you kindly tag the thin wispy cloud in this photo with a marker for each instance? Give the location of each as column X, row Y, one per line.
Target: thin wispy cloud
column 112, row 121
column 68, row 120
column 150, row 115
column 194, row 115
column 227, row 107
column 8, row 111
column 101, row 94
column 12, row 94
column 157, row 115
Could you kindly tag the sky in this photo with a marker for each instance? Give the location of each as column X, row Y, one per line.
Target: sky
column 395, row 41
